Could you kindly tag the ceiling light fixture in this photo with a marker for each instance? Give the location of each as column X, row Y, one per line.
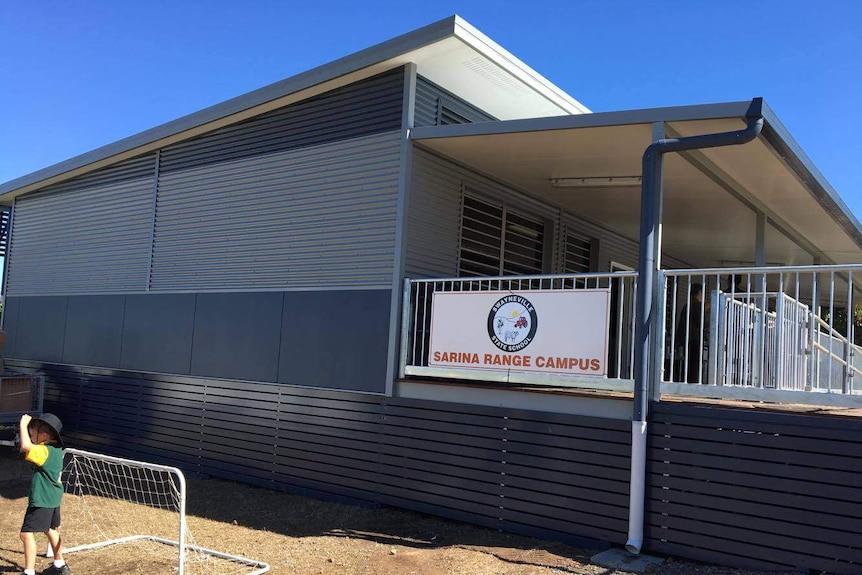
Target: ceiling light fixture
column 597, row 182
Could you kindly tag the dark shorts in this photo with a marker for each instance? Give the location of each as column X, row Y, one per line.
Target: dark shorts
column 40, row 519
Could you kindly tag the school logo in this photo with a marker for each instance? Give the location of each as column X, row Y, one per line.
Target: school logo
column 512, row 323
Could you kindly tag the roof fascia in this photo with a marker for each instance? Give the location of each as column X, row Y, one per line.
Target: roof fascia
column 149, row 140
column 788, row 150
column 593, row 120
column 514, row 66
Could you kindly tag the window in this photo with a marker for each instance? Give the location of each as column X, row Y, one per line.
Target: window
column 496, row 240
column 578, row 255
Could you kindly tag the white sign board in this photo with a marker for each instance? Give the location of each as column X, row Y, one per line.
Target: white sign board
column 560, row 332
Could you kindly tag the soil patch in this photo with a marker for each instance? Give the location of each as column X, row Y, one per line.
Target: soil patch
column 302, row 536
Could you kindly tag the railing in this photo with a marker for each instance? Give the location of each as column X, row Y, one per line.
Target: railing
column 417, row 312
column 781, row 334
column 788, row 329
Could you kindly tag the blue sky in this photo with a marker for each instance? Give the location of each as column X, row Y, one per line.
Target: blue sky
column 77, row 75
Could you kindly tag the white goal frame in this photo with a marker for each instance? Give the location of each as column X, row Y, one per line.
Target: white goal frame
column 258, row 567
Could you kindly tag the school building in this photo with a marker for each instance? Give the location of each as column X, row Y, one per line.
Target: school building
column 424, row 276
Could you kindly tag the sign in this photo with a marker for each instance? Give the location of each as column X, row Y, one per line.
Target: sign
column 560, row 332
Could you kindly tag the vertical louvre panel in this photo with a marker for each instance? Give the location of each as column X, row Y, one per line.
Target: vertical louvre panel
column 499, row 241
column 5, row 220
column 436, row 106
column 322, row 215
column 88, row 235
column 524, row 247
column 481, row 238
column 578, row 254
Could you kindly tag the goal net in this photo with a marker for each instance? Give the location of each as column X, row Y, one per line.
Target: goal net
column 125, row 516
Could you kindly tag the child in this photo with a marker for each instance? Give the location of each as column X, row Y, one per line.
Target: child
column 42, row 446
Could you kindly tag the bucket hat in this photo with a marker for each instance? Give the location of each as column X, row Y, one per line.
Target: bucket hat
column 53, row 422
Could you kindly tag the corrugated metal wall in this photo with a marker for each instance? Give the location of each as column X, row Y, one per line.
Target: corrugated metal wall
column 434, row 219
column 551, row 475
column 88, row 235
column 317, row 216
column 370, row 106
column 755, row 489
column 302, row 196
column 437, row 106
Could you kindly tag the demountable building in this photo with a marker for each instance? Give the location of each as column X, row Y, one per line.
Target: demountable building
column 273, row 290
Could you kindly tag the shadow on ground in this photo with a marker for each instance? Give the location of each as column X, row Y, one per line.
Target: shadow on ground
column 14, row 474
column 297, row 516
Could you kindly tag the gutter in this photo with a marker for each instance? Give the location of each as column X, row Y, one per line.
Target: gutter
column 648, row 312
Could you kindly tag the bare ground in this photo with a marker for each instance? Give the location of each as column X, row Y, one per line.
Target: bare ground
column 303, row 536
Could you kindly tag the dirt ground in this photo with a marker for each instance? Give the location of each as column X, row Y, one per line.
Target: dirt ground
column 302, row 536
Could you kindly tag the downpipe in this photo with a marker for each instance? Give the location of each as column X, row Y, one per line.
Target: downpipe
column 648, row 314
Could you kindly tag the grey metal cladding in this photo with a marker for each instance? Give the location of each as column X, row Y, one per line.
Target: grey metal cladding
column 11, row 306
column 94, row 329
column 90, row 234
column 335, row 339
column 309, row 217
column 435, row 211
column 236, row 335
column 157, row 332
column 430, row 98
column 41, row 328
column 367, row 107
column 434, row 217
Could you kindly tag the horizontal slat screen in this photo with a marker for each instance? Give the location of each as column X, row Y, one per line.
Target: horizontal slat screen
column 555, row 476
column 735, row 487
column 755, row 489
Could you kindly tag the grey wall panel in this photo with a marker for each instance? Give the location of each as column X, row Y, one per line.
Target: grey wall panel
column 237, row 335
column 331, row 339
column 335, row 339
column 11, row 305
column 157, row 333
column 430, row 98
column 94, row 330
column 88, row 235
column 367, row 107
column 322, row 215
column 41, row 328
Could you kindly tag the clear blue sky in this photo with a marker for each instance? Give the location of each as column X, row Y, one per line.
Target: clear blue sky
column 77, row 74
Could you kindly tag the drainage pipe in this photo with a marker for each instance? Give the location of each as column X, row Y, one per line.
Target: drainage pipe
column 648, row 313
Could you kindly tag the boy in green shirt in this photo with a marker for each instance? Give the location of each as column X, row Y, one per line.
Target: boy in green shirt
column 43, row 447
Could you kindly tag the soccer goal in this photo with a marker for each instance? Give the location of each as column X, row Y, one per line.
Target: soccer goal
column 140, row 508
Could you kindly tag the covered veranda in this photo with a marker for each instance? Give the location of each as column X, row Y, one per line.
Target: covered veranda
column 758, row 211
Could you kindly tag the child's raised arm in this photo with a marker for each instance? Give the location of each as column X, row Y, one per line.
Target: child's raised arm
column 24, row 432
